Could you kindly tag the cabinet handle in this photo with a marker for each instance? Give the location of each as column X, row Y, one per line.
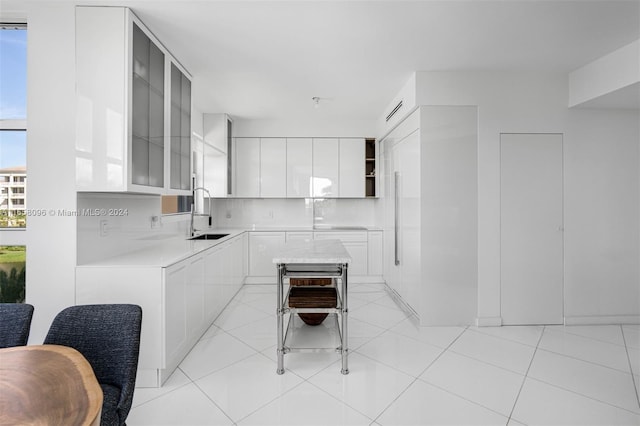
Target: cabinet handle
column 396, row 176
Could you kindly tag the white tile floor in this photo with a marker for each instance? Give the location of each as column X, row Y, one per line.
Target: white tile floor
column 400, row 374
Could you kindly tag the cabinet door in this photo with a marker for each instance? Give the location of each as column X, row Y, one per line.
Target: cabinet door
column 213, row 302
column 175, row 314
column 374, row 253
column 147, row 112
column 352, row 168
column 247, row 162
column 299, row 167
column 325, row 168
column 215, row 171
column 180, row 133
column 195, row 298
column 273, row 167
column 262, row 246
column 358, row 253
column 299, row 236
column 356, row 245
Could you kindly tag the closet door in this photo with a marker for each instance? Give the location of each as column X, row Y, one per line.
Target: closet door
column 531, row 229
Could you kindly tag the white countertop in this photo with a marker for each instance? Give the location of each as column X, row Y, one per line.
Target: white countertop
column 314, row 251
column 164, row 250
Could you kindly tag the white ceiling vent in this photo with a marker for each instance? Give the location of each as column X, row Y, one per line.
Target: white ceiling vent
column 393, row 112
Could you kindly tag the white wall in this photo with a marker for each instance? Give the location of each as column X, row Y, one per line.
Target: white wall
column 51, row 239
column 618, row 69
column 602, row 282
column 602, row 141
column 317, row 125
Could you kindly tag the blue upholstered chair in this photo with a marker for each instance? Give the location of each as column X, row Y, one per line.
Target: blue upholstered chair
column 109, row 338
column 15, row 323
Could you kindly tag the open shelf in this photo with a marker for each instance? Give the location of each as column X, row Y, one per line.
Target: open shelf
column 370, row 167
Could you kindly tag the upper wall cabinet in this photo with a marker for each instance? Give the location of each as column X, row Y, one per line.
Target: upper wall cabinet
column 325, row 167
column 247, row 167
column 304, row 167
column 352, row 168
column 218, row 147
column 133, row 127
column 299, row 163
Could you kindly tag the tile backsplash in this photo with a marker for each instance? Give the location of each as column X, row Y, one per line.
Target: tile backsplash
column 139, row 220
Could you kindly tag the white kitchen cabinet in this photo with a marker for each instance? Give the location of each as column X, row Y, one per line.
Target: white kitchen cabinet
column 299, row 236
column 179, row 302
column 374, row 253
column 356, row 245
column 213, row 291
column 217, row 167
column 247, row 167
column 430, row 210
column 180, row 131
column 299, row 167
column 273, row 167
column 351, row 174
column 262, row 246
column 127, row 133
column 325, row 167
column 175, row 313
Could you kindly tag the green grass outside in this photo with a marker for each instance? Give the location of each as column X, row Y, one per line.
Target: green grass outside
column 13, row 254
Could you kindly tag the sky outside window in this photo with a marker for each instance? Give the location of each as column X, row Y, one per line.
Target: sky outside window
column 13, row 95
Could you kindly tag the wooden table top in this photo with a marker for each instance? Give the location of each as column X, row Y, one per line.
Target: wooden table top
column 48, row 385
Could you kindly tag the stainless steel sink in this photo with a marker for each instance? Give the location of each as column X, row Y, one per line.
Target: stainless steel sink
column 208, row 237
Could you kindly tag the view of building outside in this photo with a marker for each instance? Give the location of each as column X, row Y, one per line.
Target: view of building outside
column 13, row 159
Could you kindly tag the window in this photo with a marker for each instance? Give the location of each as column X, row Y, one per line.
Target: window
column 13, row 125
column 13, row 160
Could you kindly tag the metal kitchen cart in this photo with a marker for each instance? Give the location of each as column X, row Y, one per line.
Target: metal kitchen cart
column 312, row 260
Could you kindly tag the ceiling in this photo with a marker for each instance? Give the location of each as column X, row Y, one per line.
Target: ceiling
column 267, row 59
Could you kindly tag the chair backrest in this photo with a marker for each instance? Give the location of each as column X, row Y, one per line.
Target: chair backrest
column 15, row 323
column 109, row 338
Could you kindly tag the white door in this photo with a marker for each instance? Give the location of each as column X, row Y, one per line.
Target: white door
column 407, row 172
column 531, row 229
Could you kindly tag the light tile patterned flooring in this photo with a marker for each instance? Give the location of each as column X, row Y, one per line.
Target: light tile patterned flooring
column 400, row 374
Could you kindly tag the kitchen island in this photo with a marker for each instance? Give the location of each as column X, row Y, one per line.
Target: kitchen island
column 315, row 259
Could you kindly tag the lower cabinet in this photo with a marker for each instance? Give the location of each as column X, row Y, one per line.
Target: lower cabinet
column 356, row 245
column 262, row 246
column 365, row 248
column 179, row 302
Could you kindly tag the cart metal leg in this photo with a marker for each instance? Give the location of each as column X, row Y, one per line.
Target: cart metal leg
column 280, row 315
column 344, row 319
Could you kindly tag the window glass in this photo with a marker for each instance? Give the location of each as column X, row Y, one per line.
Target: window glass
column 12, row 274
column 13, row 135
column 13, row 73
column 13, row 160
column 13, row 178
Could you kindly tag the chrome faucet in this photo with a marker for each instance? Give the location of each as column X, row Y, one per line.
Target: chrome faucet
column 192, row 230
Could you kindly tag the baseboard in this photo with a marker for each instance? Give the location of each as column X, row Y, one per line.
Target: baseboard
column 402, row 304
column 602, row 319
column 489, row 321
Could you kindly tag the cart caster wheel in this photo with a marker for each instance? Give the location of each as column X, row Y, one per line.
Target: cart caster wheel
column 345, row 371
column 280, row 371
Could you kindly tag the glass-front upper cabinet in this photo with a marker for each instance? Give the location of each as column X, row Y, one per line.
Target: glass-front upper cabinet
column 147, row 114
column 180, row 130
column 133, row 121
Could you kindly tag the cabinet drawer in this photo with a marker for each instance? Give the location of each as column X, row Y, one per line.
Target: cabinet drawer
column 342, row 236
